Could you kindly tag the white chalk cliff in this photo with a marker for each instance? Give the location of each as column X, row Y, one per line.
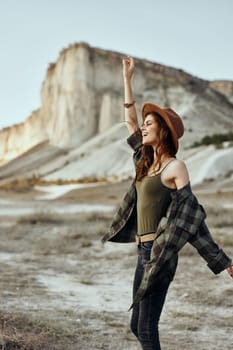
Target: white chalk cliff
column 82, row 98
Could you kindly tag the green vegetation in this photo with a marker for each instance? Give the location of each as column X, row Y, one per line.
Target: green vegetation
column 215, row 139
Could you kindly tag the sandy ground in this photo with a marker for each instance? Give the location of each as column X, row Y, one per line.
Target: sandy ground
column 61, row 289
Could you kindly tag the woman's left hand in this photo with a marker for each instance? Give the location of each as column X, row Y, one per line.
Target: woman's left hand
column 230, row 269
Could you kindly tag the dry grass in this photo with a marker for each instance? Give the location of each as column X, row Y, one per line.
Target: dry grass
column 47, row 244
column 23, row 184
column 20, row 332
column 54, row 218
column 219, row 217
column 41, row 217
column 52, row 234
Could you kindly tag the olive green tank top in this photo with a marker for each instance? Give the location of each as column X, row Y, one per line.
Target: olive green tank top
column 153, row 199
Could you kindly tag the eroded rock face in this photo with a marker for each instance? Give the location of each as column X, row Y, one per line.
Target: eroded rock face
column 68, row 98
column 18, row 138
column 225, row 87
column 82, row 95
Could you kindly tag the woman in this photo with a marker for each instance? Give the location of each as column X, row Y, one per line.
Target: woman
column 161, row 189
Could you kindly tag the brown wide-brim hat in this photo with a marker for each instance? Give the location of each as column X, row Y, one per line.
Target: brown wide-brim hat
column 171, row 118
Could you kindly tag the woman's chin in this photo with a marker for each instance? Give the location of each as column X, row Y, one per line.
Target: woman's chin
column 146, row 143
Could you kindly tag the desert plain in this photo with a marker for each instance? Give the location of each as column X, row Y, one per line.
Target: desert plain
column 62, row 289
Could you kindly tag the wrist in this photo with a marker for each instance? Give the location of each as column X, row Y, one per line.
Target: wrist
column 129, row 104
column 127, row 80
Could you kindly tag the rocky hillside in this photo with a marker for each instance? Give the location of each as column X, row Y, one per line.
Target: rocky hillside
column 82, row 96
column 79, row 131
column 225, row 87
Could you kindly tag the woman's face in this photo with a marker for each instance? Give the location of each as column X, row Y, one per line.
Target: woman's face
column 150, row 129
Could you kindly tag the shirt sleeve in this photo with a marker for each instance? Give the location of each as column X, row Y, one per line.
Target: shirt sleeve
column 189, row 226
column 215, row 257
column 135, row 140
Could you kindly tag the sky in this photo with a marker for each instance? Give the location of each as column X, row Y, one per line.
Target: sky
column 194, row 35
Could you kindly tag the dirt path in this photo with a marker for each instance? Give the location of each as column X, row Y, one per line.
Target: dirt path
column 61, row 289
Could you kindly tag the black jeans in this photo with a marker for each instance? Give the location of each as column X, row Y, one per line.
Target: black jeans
column 146, row 314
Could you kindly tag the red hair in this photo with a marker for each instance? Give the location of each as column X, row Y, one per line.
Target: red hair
column 165, row 146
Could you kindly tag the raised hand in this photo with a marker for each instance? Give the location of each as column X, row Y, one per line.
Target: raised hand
column 128, row 67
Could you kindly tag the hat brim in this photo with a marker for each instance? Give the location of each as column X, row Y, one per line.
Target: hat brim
column 148, row 108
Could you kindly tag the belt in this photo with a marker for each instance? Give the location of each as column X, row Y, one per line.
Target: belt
column 145, row 238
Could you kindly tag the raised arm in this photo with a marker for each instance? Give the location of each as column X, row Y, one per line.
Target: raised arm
column 131, row 118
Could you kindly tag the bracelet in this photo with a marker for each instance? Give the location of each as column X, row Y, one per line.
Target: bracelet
column 127, row 105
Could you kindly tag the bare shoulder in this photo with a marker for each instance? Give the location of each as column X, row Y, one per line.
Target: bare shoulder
column 179, row 166
column 179, row 173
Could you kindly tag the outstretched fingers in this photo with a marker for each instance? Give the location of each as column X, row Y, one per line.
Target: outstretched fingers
column 230, row 270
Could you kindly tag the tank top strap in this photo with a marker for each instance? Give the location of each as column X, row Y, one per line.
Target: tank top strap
column 172, row 160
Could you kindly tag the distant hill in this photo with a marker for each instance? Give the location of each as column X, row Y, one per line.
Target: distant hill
column 81, row 115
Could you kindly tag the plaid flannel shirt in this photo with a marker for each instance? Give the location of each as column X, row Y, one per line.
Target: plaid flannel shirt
column 185, row 222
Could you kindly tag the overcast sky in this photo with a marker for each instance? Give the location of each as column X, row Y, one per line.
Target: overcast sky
column 194, row 35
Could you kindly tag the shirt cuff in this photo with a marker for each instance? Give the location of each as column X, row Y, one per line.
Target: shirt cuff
column 219, row 263
column 135, row 140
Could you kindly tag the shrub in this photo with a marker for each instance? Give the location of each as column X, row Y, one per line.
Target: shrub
column 215, row 139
